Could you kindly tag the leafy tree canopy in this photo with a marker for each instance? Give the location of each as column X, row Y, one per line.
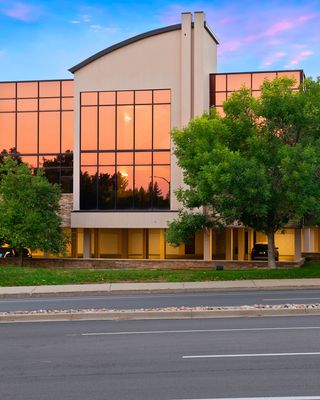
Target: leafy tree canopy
column 258, row 164
column 29, row 207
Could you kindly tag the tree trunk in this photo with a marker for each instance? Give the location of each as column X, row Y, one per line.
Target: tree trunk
column 271, row 250
column 20, row 257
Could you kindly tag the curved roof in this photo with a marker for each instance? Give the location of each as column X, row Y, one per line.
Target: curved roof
column 134, row 39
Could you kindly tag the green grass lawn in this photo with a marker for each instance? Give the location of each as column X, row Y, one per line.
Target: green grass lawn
column 14, row 276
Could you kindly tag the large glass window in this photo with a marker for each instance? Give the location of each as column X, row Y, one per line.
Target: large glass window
column 125, row 150
column 223, row 85
column 36, row 124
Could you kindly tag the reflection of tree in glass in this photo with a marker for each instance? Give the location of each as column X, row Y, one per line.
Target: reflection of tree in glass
column 88, row 191
column 61, row 160
column 59, row 169
column 13, row 153
column 106, row 191
column 158, row 200
column 124, row 195
column 113, row 192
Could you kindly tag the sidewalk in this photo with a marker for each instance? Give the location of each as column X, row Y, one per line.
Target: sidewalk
column 164, row 313
column 158, row 287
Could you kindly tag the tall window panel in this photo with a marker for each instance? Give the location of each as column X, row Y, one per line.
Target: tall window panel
column 36, row 125
column 125, row 150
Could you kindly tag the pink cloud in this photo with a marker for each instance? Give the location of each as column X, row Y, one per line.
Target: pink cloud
column 22, row 12
column 300, row 57
column 280, row 27
column 306, row 18
column 274, row 30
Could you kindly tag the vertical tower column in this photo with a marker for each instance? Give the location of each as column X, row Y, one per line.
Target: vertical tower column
column 199, row 96
column 186, row 68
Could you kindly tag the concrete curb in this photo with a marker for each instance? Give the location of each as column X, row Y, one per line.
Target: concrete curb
column 158, row 287
column 153, row 314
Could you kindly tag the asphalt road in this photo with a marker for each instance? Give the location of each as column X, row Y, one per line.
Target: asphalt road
column 217, row 298
column 161, row 360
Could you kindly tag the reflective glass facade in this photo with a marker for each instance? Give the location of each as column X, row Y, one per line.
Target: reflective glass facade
column 125, row 150
column 36, row 124
column 223, row 85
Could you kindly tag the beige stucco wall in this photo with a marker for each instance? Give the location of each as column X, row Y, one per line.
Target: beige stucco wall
column 122, row 219
column 152, row 63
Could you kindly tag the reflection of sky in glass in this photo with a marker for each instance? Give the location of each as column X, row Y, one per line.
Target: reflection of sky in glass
column 134, row 133
column 39, row 123
column 223, row 85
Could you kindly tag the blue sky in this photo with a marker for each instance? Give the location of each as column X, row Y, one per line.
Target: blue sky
column 42, row 39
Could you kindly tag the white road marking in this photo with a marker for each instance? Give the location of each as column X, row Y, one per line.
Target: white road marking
column 261, row 398
column 252, row 355
column 293, row 299
column 293, row 328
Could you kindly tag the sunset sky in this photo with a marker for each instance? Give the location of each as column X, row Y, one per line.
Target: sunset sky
column 42, row 39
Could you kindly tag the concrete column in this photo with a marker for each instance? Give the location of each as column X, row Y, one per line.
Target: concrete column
column 241, row 244
column 214, row 243
column 297, row 244
column 199, row 105
column 250, row 242
column 74, row 243
column 162, row 243
column 316, row 239
column 207, row 244
column 308, row 240
column 124, row 243
column 186, row 68
column 96, row 250
column 145, row 243
column 229, row 243
column 86, row 243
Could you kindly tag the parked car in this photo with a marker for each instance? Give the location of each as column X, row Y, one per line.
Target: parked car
column 25, row 252
column 11, row 252
column 260, row 252
column 6, row 252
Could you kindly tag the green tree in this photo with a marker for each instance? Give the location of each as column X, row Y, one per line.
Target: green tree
column 29, row 207
column 258, row 164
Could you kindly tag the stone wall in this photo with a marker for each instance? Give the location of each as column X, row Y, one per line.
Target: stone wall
column 311, row 256
column 66, row 209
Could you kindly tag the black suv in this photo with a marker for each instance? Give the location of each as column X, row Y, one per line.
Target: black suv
column 260, row 252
